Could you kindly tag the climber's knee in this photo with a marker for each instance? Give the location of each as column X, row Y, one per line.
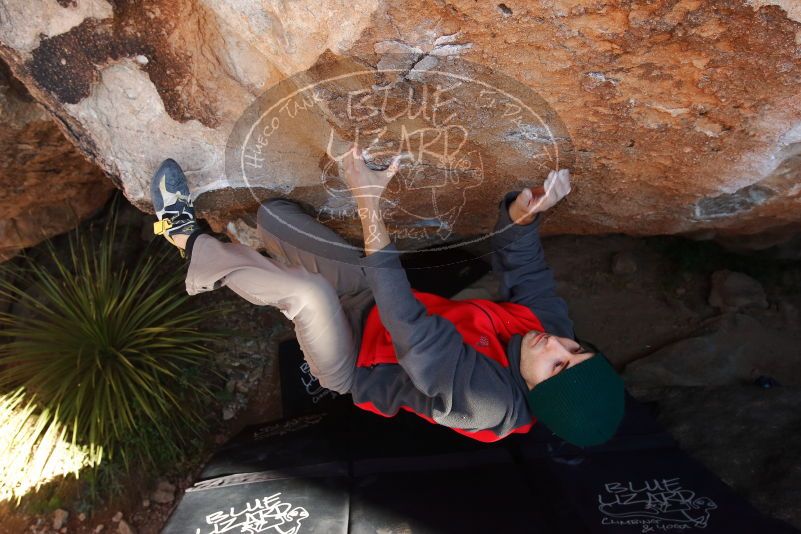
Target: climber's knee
column 317, row 294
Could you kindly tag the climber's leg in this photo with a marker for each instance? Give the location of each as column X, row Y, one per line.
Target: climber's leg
column 294, row 237
column 321, row 326
column 291, row 235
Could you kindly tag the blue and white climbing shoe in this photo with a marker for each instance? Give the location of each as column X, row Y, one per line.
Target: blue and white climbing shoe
column 170, row 195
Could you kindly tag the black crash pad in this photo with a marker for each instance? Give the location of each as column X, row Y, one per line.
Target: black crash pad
column 492, row 497
column 652, row 490
column 274, row 502
column 353, row 471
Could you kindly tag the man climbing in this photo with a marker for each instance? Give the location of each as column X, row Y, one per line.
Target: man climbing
column 482, row 368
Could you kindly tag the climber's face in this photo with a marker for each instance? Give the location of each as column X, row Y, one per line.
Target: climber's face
column 543, row 355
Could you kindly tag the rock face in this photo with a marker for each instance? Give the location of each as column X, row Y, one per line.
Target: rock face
column 746, row 435
column 679, row 116
column 46, row 185
column 732, row 291
column 731, row 349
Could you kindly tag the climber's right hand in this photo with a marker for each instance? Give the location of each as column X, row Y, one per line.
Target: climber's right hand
column 362, row 181
column 531, row 201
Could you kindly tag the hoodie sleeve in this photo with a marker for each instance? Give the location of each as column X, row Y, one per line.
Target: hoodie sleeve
column 525, row 278
column 467, row 390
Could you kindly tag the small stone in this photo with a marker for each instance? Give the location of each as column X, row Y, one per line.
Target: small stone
column 117, row 517
column 789, row 313
column 142, row 60
column 164, row 494
column 63, row 530
column 59, row 518
column 125, row 528
column 228, row 413
column 242, row 386
column 146, row 503
column 82, row 517
column 732, row 291
column 624, row 263
column 99, row 528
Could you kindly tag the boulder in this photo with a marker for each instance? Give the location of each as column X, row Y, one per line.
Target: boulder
column 732, row 291
column 624, row 263
column 729, row 350
column 675, row 116
column 164, row 492
column 60, row 518
column 746, row 435
column 125, row 528
column 46, row 184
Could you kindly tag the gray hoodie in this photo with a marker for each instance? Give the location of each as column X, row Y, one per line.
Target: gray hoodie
column 438, row 376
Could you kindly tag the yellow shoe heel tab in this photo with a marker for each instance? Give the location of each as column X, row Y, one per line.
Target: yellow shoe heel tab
column 160, row 227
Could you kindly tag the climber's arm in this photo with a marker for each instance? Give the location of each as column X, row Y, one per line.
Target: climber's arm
column 467, row 390
column 428, row 347
column 375, row 232
column 519, row 260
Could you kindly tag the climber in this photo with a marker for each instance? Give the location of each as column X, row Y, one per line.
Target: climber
column 485, row 369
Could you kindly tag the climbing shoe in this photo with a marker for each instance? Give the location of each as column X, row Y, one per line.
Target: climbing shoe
column 170, row 195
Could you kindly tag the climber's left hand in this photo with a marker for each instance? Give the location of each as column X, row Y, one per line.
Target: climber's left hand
column 531, row 201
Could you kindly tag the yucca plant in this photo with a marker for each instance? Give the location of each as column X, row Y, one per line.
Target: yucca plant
column 110, row 354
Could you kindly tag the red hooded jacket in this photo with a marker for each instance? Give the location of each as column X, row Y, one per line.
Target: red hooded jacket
column 484, row 325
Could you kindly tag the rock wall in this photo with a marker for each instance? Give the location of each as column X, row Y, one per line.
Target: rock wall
column 676, row 116
column 46, row 185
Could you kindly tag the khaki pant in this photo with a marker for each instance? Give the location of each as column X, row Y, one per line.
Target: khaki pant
column 313, row 276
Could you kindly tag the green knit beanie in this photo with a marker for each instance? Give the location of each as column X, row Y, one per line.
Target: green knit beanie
column 583, row 404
